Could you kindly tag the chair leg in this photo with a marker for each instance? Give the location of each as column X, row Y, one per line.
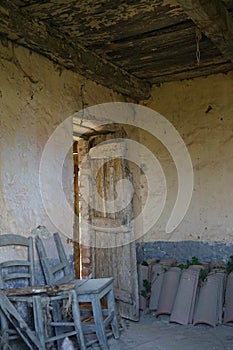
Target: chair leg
column 56, row 314
column 112, row 308
column 39, row 320
column 18, row 323
column 4, row 341
column 77, row 322
column 99, row 323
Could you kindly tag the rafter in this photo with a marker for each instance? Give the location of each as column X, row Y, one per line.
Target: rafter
column 214, row 20
column 46, row 40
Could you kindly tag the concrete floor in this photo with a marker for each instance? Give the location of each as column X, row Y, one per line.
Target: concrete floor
column 158, row 334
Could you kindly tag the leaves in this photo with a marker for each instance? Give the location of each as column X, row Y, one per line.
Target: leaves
column 230, row 264
column 147, row 289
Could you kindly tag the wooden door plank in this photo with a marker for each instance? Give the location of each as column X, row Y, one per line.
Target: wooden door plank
column 115, row 256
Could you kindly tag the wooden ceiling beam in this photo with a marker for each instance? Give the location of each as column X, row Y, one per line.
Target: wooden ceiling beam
column 214, row 20
column 48, row 41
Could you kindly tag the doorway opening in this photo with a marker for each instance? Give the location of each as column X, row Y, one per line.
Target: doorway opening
column 76, row 240
column 83, row 252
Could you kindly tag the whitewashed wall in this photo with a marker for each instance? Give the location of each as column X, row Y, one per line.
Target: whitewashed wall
column 202, row 112
column 35, row 97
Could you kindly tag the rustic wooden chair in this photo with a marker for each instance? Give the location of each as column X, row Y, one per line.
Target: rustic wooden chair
column 44, row 299
column 58, row 303
column 11, row 314
column 19, row 271
column 17, row 280
column 88, row 291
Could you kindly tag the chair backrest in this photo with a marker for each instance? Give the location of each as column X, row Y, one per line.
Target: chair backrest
column 61, row 272
column 17, row 272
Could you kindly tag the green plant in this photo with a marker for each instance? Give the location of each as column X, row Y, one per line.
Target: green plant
column 144, row 263
column 147, row 289
column 203, row 274
column 230, row 264
column 181, row 266
column 194, row 261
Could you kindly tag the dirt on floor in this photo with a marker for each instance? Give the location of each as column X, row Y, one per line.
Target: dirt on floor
column 158, row 334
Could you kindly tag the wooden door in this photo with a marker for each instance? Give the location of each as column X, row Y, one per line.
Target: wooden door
column 111, row 217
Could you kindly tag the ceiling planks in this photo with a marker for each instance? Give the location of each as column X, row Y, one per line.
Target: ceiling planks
column 92, row 21
column 150, row 42
column 169, row 52
column 191, row 73
column 125, row 44
column 41, row 37
column 179, row 56
column 214, row 20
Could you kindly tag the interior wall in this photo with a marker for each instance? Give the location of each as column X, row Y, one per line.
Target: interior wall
column 36, row 95
column 201, row 110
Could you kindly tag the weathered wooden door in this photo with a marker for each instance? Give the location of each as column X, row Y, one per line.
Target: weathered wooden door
column 111, row 219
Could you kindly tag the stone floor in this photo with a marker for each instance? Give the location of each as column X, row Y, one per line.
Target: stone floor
column 158, row 334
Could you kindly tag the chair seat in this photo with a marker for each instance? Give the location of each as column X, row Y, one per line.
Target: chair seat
column 92, row 286
column 92, row 291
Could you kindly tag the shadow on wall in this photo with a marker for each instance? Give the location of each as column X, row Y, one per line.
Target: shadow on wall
column 184, row 250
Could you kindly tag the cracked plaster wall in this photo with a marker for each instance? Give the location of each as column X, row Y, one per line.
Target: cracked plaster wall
column 202, row 112
column 35, row 97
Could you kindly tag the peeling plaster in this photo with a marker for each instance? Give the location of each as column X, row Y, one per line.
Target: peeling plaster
column 35, row 99
column 209, row 139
